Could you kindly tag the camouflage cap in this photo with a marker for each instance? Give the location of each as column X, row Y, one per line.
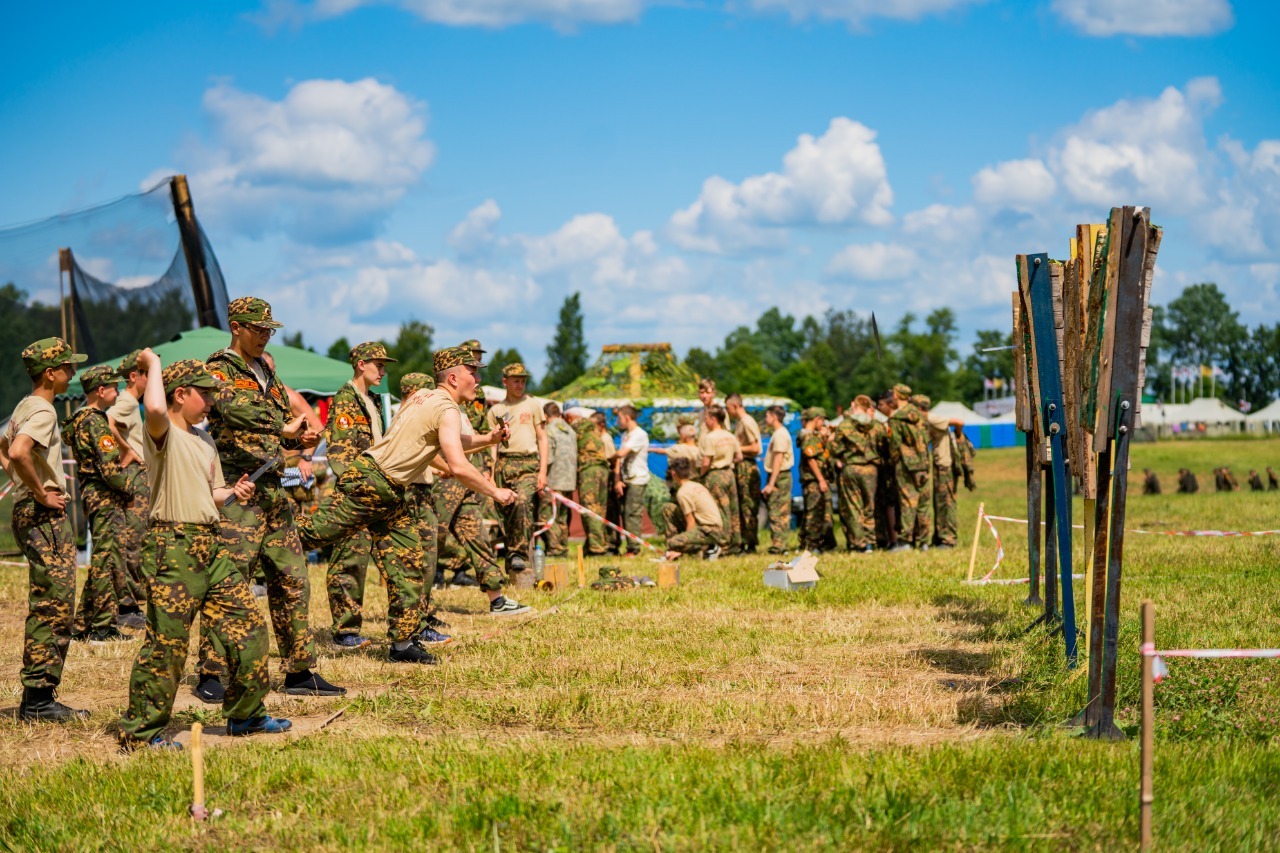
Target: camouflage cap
column 129, row 364
column 251, row 309
column 370, row 351
column 95, row 377
column 813, row 412
column 49, row 352
column 189, row 372
column 454, row 357
column 515, row 371
column 472, row 345
column 903, row 391
column 411, row 382
column 921, row 401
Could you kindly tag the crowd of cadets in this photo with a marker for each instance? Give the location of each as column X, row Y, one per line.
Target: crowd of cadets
column 196, row 481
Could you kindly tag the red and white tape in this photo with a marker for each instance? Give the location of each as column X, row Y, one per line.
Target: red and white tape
column 1160, row 671
column 1219, row 533
column 559, row 498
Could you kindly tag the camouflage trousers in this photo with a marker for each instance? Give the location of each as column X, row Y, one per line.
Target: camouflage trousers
column 724, row 488
column 747, row 474
column 421, row 501
column 98, row 603
column 817, row 516
column 689, row 541
column 131, row 590
column 632, row 517
column 188, row 572
column 48, row 543
column 857, row 488
column 345, row 579
column 913, row 490
column 262, row 535
column 886, row 505
column 779, row 504
column 365, row 498
column 945, row 519
column 593, row 493
column 460, row 536
column 520, row 475
column 557, row 535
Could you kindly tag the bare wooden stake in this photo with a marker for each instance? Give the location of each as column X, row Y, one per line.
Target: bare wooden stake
column 1146, row 797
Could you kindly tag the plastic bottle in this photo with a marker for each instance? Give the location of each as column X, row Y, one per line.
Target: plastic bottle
column 539, row 562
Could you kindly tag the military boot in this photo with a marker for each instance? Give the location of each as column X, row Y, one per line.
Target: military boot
column 38, row 705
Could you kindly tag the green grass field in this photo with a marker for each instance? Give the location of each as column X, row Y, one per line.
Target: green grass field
column 892, row 708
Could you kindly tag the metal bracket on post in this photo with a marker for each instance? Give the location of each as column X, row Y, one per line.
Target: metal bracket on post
column 1053, row 417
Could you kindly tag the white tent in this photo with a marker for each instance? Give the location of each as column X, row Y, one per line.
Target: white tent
column 1209, row 410
column 958, row 411
column 1267, row 418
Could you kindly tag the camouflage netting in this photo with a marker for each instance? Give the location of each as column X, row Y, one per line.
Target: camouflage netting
column 637, row 372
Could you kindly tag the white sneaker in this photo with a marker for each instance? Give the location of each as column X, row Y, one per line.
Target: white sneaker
column 713, row 553
column 503, row 606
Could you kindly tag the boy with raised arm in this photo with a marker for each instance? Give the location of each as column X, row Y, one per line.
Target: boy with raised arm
column 186, row 570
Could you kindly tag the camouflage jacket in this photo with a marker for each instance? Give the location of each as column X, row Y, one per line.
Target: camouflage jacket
column 476, row 413
column 97, row 453
column 909, row 439
column 813, row 447
column 857, row 444
column 245, row 421
column 591, row 449
column 348, row 430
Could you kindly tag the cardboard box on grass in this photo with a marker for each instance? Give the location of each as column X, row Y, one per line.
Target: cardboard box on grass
column 800, row 573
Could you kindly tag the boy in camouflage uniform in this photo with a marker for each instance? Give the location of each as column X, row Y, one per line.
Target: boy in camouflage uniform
column 105, row 491
column 593, row 477
column 421, row 502
column 353, row 426
column 945, row 467
column 125, row 416
column 909, row 452
column 720, row 453
column 856, row 446
column 250, row 424
column 747, row 471
column 693, row 522
column 924, row 510
column 777, row 490
column 187, row 572
column 31, row 454
column 520, row 463
column 814, row 462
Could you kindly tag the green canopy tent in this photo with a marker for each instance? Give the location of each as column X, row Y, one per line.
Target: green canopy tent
column 300, row 369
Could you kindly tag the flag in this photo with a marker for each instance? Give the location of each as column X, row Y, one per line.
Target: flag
column 1205, row 371
column 988, row 385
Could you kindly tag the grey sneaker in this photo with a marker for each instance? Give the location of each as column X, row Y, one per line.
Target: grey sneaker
column 131, row 619
column 503, row 606
column 712, row 553
column 350, row 641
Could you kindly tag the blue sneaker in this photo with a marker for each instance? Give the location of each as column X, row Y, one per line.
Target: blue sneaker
column 256, row 725
column 431, row 637
column 350, row 641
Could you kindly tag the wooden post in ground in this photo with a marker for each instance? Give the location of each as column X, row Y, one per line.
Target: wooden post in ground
column 207, row 313
column 1025, row 422
column 1033, row 524
column 1146, row 797
column 198, row 810
column 1098, row 585
column 977, row 531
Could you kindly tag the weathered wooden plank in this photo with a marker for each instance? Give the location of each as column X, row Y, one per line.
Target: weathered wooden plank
column 1071, row 351
column 1095, row 314
column 1102, row 381
column 1022, row 411
column 1036, row 432
column 1154, row 236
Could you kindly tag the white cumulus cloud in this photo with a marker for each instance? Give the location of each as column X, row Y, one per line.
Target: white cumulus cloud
column 1146, row 18
column 325, row 162
column 838, row 178
column 563, row 15
column 1014, row 183
column 857, row 12
column 873, row 262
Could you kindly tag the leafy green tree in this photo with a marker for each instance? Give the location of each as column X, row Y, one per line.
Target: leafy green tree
column 804, row 383
column 1200, row 326
column 739, row 368
column 979, row 365
column 492, row 372
column 567, row 353
column 295, row 340
column 413, row 353
column 20, row 324
column 1253, row 367
column 701, row 362
column 340, row 349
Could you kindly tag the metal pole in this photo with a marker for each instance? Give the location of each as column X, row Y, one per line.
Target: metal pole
column 1146, row 797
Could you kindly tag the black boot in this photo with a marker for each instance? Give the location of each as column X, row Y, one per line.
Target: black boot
column 38, row 705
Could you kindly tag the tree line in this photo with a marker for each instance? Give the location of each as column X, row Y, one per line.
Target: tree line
column 815, row 360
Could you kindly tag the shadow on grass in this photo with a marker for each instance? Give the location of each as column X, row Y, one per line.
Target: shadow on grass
column 957, row 661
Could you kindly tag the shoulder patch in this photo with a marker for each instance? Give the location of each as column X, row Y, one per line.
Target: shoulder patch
column 219, row 374
column 106, row 444
column 343, row 422
column 246, row 384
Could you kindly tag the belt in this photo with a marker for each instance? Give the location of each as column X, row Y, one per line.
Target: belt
column 517, row 455
column 182, row 526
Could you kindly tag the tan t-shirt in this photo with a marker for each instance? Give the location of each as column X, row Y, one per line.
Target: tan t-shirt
column 526, row 416
column 940, row 438
column 183, row 474
column 747, row 432
column 781, row 443
column 694, row 498
column 721, row 446
column 414, row 438
column 685, row 451
column 127, row 412
column 36, row 418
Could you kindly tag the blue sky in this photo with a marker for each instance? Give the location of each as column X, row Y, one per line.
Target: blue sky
column 684, row 165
